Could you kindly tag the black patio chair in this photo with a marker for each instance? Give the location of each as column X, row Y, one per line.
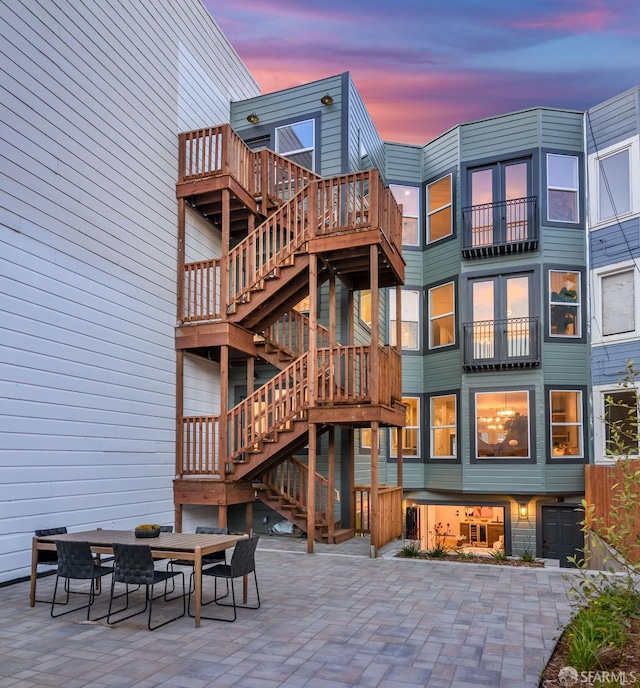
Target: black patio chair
column 243, row 562
column 134, row 566
column 76, row 562
column 46, row 557
column 208, row 559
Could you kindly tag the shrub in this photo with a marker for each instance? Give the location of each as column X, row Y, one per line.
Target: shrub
column 410, row 549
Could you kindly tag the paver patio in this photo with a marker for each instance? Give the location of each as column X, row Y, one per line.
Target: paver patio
column 330, row 620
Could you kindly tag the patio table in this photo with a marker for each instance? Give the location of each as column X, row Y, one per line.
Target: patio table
column 189, row 546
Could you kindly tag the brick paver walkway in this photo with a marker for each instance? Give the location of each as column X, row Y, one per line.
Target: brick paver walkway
column 331, row 620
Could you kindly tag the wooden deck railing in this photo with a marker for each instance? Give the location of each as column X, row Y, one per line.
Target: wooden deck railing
column 389, row 521
column 343, row 375
column 199, row 446
column 202, row 290
column 281, row 178
column 290, row 332
column 290, row 480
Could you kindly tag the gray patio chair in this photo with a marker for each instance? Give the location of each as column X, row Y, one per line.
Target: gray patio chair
column 134, row 566
column 243, row 562
column 45, row 557
column 76, row 562
column 207, row 560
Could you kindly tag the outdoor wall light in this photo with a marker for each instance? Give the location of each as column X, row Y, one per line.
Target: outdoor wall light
column 523, row 510
column 326, row 99
column 253, row 118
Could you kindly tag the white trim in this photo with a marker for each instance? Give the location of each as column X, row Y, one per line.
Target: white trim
column 297, row 151
column 575, row 189
column 631, row 144
column 449, row 205
column 442, row 315
column 596, row 311
column 393, row 454
column 567, row 424
column 599, row 395
column 433, row 427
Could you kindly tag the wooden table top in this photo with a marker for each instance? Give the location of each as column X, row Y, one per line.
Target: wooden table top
column 179, row 542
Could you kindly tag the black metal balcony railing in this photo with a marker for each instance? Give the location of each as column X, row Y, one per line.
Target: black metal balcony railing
column 508, row 343
column 498, row 228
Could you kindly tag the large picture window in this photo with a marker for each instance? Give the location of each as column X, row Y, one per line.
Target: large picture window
column 502, row 425
column 408, row 197
column 562, row 188
column 565, row 309
column 442, row 314
column 439, row 209
column 410, row 433
column 297, row 143
column 443, row 423
column 410, row 320
column 566, row 424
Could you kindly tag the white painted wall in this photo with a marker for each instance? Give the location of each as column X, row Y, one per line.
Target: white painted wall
column 92, row 97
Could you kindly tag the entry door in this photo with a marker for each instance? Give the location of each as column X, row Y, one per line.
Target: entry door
column 501, row 311
column 562, row 534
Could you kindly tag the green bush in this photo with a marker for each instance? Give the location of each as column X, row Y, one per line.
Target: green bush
column 410, row 549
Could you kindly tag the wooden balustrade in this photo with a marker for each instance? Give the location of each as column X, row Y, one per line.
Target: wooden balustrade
column 199, row 446
column 270, row 408
column 202, row 290
column 290, row 333
column 390, row 376
column 281, row 177
column 343, row 375
column 388, row 524
column 290, row 478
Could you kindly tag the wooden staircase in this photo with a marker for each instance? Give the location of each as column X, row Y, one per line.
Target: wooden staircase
column 309, row 230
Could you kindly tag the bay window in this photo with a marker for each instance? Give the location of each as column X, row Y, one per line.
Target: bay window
column 502, row 423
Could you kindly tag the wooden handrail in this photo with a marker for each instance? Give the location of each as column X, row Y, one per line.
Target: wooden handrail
column 290, row 333
column 202, row 290
column 289, row 480
column 200, row 443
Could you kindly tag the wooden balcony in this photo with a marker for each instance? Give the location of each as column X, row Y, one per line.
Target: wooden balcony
column 494, row 229
column 501, row 344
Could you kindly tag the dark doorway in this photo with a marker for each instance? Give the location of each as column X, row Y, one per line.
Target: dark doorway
column 562, row 534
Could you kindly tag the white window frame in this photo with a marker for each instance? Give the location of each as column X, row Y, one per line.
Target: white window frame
column 578, row 305
column 575, row 189
column 572, row 424
column 393, row 454
column 600, row 393
column 442, row 315
column 418, row 320
column 633, row 146
column 449, row 205
column 530, row 432
column 396, row 190
column 365, row 293
column 299, row 150
column 597, row 336
column 433, row 428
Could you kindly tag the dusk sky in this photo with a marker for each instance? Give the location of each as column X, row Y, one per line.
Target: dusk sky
column 423, row 66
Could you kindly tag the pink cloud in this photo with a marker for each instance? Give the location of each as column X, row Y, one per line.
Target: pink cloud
column 583, row 20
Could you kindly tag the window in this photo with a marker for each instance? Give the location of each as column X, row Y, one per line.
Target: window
column 618, row 306
column 297, row 143
column 442, row 330
column 503, row 331
column 410, row 433
column 443, row 427
column 365, row 307
column 614, row 175
column 502, row 425
column 501, row 214
column 407, row 196
column 621, row 423
column 566, row 423
column 410, row 320
column 365, row 439
column 562, row 188
column 564, row 304
column 439, row 209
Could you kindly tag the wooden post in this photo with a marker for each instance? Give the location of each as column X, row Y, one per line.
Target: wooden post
column 351, row 316
column 251, row 373
column 248, row 518
column 222, row 516
column 374, row 390
column 331, row 485
column 313, row 328
column 181, row 259
column 352, row 478
column 332, row 310
column 311, row 489
column 374, row 523
column 400, row 466
column 223, row 425
column 224, row 262
column 179, row 412
column 177, row 515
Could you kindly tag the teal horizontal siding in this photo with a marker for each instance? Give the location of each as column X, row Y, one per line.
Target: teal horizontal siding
column 403, row 162
column 613, row 121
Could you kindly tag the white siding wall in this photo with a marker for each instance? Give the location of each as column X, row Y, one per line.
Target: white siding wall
column 93, row 96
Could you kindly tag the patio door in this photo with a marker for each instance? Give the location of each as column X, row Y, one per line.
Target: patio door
column 501, row 308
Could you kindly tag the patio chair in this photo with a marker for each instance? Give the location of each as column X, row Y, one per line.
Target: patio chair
column 134, row 566
column 45, row 557
column 208, row 559
column 243, row 562
column 76, row 562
